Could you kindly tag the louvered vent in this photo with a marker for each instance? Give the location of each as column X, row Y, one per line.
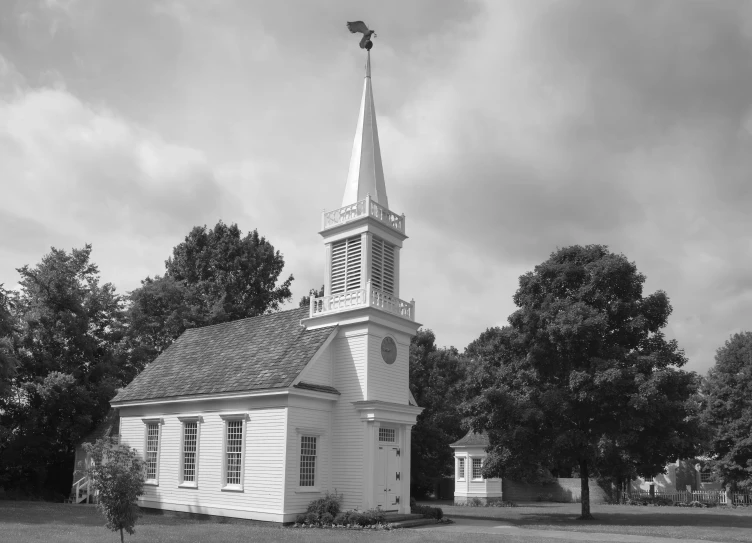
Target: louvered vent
column 382, row 265
column 346, row 258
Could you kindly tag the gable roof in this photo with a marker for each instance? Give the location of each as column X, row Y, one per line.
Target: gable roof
column 472, row 439
column 257, row 353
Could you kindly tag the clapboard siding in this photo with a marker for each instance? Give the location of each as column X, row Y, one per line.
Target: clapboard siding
column 319, row 372
column 310, row 418
column 387, row 382
column 264, row 462
column 349, row 358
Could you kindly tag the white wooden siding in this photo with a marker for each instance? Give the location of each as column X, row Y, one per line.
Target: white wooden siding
column 349, row 359
column 264, row 462
column 310, row 417
column 387, row 382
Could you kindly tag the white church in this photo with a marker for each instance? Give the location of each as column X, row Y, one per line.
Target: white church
column 258, row 417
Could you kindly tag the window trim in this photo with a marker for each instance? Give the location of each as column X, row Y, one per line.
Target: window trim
column 708, row 473
column 319, row 434
column 226, row 417
column 461, row 461
column 472, row 470
column 182, row 483
column 396, row 439
column 159, row 422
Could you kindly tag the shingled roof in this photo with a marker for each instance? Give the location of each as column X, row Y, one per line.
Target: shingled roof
column 249, row 354
column 472, row 439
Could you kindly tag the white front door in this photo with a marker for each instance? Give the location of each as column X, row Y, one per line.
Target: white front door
column 388, row 478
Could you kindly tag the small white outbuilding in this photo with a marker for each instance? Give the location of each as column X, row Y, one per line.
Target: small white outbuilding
column 469, row 484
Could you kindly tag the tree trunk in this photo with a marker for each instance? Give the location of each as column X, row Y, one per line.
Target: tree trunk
column 585, row 491
column 122, row 540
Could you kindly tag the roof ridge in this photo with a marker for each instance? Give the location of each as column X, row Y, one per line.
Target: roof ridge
column 278, row 312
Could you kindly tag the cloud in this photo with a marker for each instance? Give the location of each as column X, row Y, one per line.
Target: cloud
column 507, row 129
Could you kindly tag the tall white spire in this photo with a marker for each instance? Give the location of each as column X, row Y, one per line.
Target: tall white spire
column 366, row 175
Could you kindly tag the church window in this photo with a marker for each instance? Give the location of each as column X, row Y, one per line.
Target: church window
column 346, row 258
column 189, row 455
column 308, row 461
column 382, row 265
column 461, row 469
column 706, row 476
column 477, row 467
column 152, row 451
column 233, row 451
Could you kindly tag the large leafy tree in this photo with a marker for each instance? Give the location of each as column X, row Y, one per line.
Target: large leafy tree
column 727, row 393
column 435, row 374
column 583, row 375
column 216, row 275
column 66, row 343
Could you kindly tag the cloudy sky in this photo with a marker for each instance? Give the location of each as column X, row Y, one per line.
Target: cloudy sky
column 508, row 129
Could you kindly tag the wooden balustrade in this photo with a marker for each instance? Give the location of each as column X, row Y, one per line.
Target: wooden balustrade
column 362, row 297
column 330, row 219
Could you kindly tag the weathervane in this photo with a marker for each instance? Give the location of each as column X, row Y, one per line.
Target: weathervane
column 360, row 26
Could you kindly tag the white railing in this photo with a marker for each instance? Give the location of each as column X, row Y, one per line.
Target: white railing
column 330, row 219
column 82, row 490
column 363, row 297
column 703, row 496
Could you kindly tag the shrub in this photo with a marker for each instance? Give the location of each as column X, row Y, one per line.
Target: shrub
column 311, row 518
column 327, row 519
column 428, row 512
column 341, row 519
column 300, row 519
column 476, row 502
column 328, row 504
column 374, row 516
column 412, row 502
column 354, row 518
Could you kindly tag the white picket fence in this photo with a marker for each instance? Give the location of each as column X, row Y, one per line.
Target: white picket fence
column 703, row 496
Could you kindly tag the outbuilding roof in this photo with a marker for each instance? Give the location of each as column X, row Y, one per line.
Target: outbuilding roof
column 472, row 439
column 257, row 353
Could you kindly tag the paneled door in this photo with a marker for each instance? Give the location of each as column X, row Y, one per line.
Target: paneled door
column 388, row 478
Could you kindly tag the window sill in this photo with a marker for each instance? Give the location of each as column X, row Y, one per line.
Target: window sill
column 187, row 485
column 478, row 480
column 461, row 479
column 307, row 490
column 151, row 482
column 232, row 489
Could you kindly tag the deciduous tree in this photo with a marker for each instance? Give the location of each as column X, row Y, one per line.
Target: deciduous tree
column 727, row 411
column 117, row 473
column 434, row 377
column 583, row 375
column 214, row 276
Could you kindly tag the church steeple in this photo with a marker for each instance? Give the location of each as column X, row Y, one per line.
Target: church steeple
column 366, row 174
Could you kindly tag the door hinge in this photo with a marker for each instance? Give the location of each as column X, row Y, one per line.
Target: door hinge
column 398, row 475
column 398, row 452
column 398, row 499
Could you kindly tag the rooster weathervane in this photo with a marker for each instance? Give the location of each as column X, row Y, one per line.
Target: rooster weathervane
column 360, row 26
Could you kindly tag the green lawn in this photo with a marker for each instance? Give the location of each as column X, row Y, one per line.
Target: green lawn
column 714, row 523
column 26, row 522
column 40, row 522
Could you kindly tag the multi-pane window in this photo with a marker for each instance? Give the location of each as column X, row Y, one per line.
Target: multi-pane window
column 460, row 468
column 190, row 441
column 233, row 452
column 152, row 450
column 477, row 466
column 382, row 265
column 307, row 461
column 346, row 258
column 706, row 476
column 387, row 435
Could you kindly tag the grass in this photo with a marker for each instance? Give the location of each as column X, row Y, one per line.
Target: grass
column 716, row 523
column 43, row 522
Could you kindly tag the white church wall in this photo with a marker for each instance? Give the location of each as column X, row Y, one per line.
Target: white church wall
column 350, row 379
column 388, row 382
column 264, row 460
column 311, row 418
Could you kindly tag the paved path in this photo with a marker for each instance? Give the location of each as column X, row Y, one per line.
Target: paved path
column 482, row 526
